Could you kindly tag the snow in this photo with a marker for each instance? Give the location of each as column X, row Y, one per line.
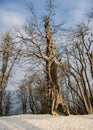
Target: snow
column 47, row 122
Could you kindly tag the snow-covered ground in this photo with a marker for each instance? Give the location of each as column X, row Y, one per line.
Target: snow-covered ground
column 47, row 122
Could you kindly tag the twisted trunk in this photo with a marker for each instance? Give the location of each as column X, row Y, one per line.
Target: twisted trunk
column 55, row 98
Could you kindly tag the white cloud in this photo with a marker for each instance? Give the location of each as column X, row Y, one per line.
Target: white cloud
column 67, row 10
column 9, row 18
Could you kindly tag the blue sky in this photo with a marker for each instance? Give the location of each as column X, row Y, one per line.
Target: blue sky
column 14, row 12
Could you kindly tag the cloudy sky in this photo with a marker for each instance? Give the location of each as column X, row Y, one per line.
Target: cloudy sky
column 14, row 12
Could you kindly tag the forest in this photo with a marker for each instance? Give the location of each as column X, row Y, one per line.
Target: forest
column 57, row 63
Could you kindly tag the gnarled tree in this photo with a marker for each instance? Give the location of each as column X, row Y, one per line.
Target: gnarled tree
column 35, row 38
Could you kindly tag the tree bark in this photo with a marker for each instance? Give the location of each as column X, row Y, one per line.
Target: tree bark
column 52, row 74
column 1, row 104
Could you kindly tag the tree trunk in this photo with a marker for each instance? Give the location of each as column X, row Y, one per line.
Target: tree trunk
column 52, row 74
column 24, row 109
column 1, row 104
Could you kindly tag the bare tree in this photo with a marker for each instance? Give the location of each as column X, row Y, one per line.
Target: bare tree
column 38, row 98
column 23, row 95
column 6, row 103
column 34, row 38
column 78, row 68
column 8, row 59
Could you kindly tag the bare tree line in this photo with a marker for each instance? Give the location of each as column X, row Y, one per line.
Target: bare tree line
column 53, row 85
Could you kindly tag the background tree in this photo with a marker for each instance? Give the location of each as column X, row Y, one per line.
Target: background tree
column 78, row 69
column 9, row 55
column 6, row 103
column 23, row 95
